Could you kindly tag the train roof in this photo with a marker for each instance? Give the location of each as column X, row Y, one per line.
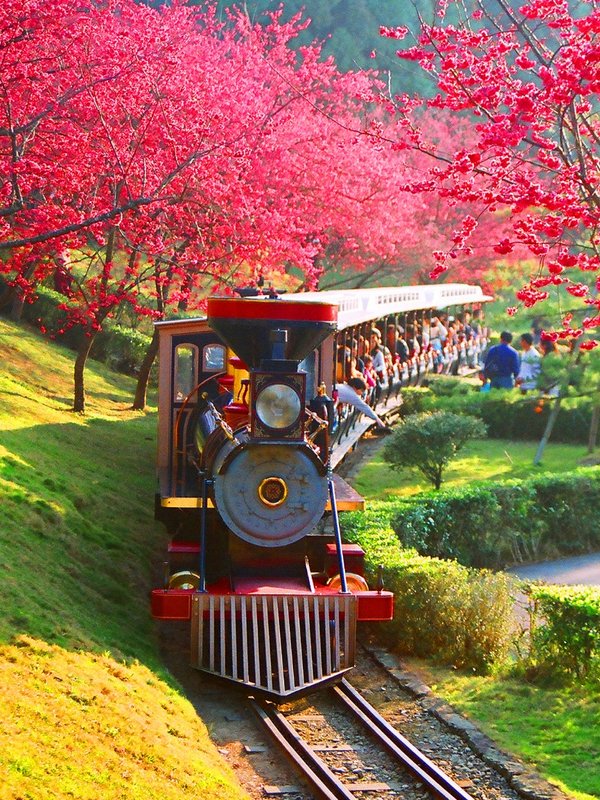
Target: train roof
column 356, row 306
column 362, row 305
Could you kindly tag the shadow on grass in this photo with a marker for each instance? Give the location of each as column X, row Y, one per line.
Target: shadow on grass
column 79, row 539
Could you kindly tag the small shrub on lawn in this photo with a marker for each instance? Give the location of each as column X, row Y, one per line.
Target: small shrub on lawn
column 565, row 638
column 428, row 442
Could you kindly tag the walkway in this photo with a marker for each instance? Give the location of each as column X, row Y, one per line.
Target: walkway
column 576, row 570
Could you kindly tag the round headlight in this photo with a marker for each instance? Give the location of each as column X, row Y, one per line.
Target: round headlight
column 278, row 406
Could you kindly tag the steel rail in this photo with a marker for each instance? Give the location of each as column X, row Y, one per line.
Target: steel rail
column 327, row 784
column 323, row 780
column 434, row 779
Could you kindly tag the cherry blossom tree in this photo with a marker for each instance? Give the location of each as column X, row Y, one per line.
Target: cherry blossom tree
column 527, row 81
column 160, row 148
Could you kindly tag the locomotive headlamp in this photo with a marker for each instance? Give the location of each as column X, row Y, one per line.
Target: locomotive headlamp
column 277, row 405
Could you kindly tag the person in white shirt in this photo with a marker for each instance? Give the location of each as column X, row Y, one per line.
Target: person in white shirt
column 378, row 355
column 531, row 364
column 351, row 393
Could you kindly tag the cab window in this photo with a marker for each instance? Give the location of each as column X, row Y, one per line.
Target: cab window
column 213, row 358
column 186, row 370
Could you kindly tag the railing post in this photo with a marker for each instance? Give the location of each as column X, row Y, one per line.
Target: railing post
column 202, row 555
column 338, row 534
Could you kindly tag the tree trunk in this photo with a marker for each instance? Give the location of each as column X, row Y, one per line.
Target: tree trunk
column 139, row 401
column 593, row 436
column 548, row 431
column 16, row 309
column 83, row 352
column 13, row 297
column 7, row 296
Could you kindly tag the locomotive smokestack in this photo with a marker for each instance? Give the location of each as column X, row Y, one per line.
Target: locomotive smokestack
column 265, row 333
column 278, row 339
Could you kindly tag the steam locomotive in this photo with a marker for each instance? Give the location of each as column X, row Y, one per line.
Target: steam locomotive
column 247, row 492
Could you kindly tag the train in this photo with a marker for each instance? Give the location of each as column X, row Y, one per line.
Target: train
column 250, row 439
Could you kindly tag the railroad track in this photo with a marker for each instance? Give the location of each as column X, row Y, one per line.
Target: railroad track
column 328, row 768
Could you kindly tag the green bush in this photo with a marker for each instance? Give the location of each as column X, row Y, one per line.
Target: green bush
column 496, row 524
column 443, row 610
column 122, row 348
column 565, row 637
column 45, row 314
column 448, row 386
column 428, row 442
column 569, row 506
column 416, row 400
column 511, row 415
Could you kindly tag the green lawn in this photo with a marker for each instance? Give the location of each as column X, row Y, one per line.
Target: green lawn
column 480, row 460
column 556, row 731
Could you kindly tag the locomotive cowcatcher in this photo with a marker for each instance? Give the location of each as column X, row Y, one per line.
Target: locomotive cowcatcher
column 256, row 559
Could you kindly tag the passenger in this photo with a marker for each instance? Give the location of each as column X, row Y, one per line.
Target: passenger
column 531, row 364
column 352, row 394
column 377, row 355
column 502, row 363
column 357, row 355
column 467, row 327
column 353, row 370
column 396, row 344
column 342, row 362
column 369, row 373
column 414, row 348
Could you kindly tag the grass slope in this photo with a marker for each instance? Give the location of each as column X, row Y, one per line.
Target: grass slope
column 85, row 704
column 557, row 730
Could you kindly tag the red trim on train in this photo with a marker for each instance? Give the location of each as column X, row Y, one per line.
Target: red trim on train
column 375, row 606
column 171, row 603
column 289, row 310
column 177, row 604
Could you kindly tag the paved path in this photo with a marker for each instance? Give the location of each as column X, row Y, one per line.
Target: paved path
column 575, row 570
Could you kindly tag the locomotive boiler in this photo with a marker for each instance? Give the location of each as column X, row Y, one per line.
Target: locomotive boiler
column 256, row 558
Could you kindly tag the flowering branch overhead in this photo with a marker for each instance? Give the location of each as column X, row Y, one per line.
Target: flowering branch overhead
column 527, row 82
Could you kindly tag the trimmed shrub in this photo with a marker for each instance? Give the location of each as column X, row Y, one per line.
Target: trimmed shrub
column 497, row 524
column 565, row 637
column 428, row 442
column 511, row 415
column 569, row 506
column 448, row 386
column 416, row 400
column 443, row 610
column 121, row 348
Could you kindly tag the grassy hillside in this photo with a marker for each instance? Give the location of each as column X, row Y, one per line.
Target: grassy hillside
column 83, row 698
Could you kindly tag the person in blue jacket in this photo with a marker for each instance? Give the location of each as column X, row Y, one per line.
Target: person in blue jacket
column 502, row 363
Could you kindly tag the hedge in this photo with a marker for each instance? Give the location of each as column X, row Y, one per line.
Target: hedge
column 565, row 636
column 507, row 414
column 442, row 610
column 121, row 348
column 497, row 524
